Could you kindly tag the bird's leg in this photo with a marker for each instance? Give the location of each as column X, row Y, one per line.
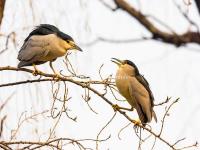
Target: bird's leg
column 51, row 66
column 57, row 75
column 116, row 107
column 36, row 71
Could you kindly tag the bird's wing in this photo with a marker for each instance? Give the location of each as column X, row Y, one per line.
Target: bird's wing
column 145, row 83
column 33, row 49
column 141, row 98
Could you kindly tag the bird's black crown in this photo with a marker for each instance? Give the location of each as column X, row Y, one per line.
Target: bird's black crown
column 45, row 29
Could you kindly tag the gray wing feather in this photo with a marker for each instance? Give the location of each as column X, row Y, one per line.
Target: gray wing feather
column 32, row 50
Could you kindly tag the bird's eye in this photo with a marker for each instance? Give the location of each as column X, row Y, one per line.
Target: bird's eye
column 68, row 41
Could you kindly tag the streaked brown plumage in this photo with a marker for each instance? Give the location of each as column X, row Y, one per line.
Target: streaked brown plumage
column 135, row 88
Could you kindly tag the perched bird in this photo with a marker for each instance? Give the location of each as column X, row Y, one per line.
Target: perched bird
column 135, row 88
column 45, row 43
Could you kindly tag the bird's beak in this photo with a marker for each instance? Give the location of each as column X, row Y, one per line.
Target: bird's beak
column 77, row 47
column 71, row 45
column 117, row 61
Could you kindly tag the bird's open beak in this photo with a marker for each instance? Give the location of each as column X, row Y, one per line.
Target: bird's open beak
column 117, row 61
column 77, row 47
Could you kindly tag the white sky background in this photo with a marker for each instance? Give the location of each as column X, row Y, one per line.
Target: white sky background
column 170, row 71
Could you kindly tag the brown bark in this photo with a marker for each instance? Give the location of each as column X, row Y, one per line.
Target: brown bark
column 2, row 4
column 157, row 34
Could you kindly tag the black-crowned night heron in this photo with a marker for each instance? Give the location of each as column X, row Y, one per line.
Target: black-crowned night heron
column 135, row 88
column 45, row 43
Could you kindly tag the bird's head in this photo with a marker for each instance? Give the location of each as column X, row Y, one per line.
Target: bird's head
column 127, row 66
column 69, row 44
column 67, row 41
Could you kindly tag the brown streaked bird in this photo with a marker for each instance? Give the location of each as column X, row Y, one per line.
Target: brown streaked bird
column 45, row 43
column 135, row 88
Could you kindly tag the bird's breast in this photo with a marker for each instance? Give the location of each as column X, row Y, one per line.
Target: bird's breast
column 122, row 84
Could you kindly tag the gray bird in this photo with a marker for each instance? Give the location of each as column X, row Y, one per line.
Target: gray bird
column 45, row 43
column 135, row 88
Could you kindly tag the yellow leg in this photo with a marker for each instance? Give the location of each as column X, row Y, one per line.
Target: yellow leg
column 36, row 71
column 57, row 75
column 116, row 107
column 137, row 122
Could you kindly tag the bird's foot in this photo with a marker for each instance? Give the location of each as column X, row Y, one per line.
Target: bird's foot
column 35, row 72
column 136, row 122
column 57, row 77
column 115, row 107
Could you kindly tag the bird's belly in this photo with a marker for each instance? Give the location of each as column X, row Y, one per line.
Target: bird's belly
column 123, row 87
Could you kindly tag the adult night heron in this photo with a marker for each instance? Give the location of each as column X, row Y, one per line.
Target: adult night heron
column 135, row 88
column 45, row 43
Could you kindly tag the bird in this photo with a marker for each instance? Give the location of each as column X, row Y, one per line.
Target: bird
column 135, row 88
column 45, row 43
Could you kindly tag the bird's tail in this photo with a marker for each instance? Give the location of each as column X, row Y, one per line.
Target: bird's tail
column 142, row 115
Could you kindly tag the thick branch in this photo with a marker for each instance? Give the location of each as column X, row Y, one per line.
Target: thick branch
column 87, row 85
column 2, row 4
column 157, row 34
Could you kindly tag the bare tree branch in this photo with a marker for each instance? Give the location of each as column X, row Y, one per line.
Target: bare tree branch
column 2, row 4
column 158, row 34
column 86, row 84
column 103, row 129
column 51, row 143
column 1, row 125
column 25, row 82
column 8, row 37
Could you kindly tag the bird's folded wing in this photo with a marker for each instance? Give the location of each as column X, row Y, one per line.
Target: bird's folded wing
column 145, row 83
column 142, row 103
column 33, row 49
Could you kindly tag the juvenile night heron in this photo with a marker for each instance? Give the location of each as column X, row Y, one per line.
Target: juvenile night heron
column 135, row 88
column 45, row 43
